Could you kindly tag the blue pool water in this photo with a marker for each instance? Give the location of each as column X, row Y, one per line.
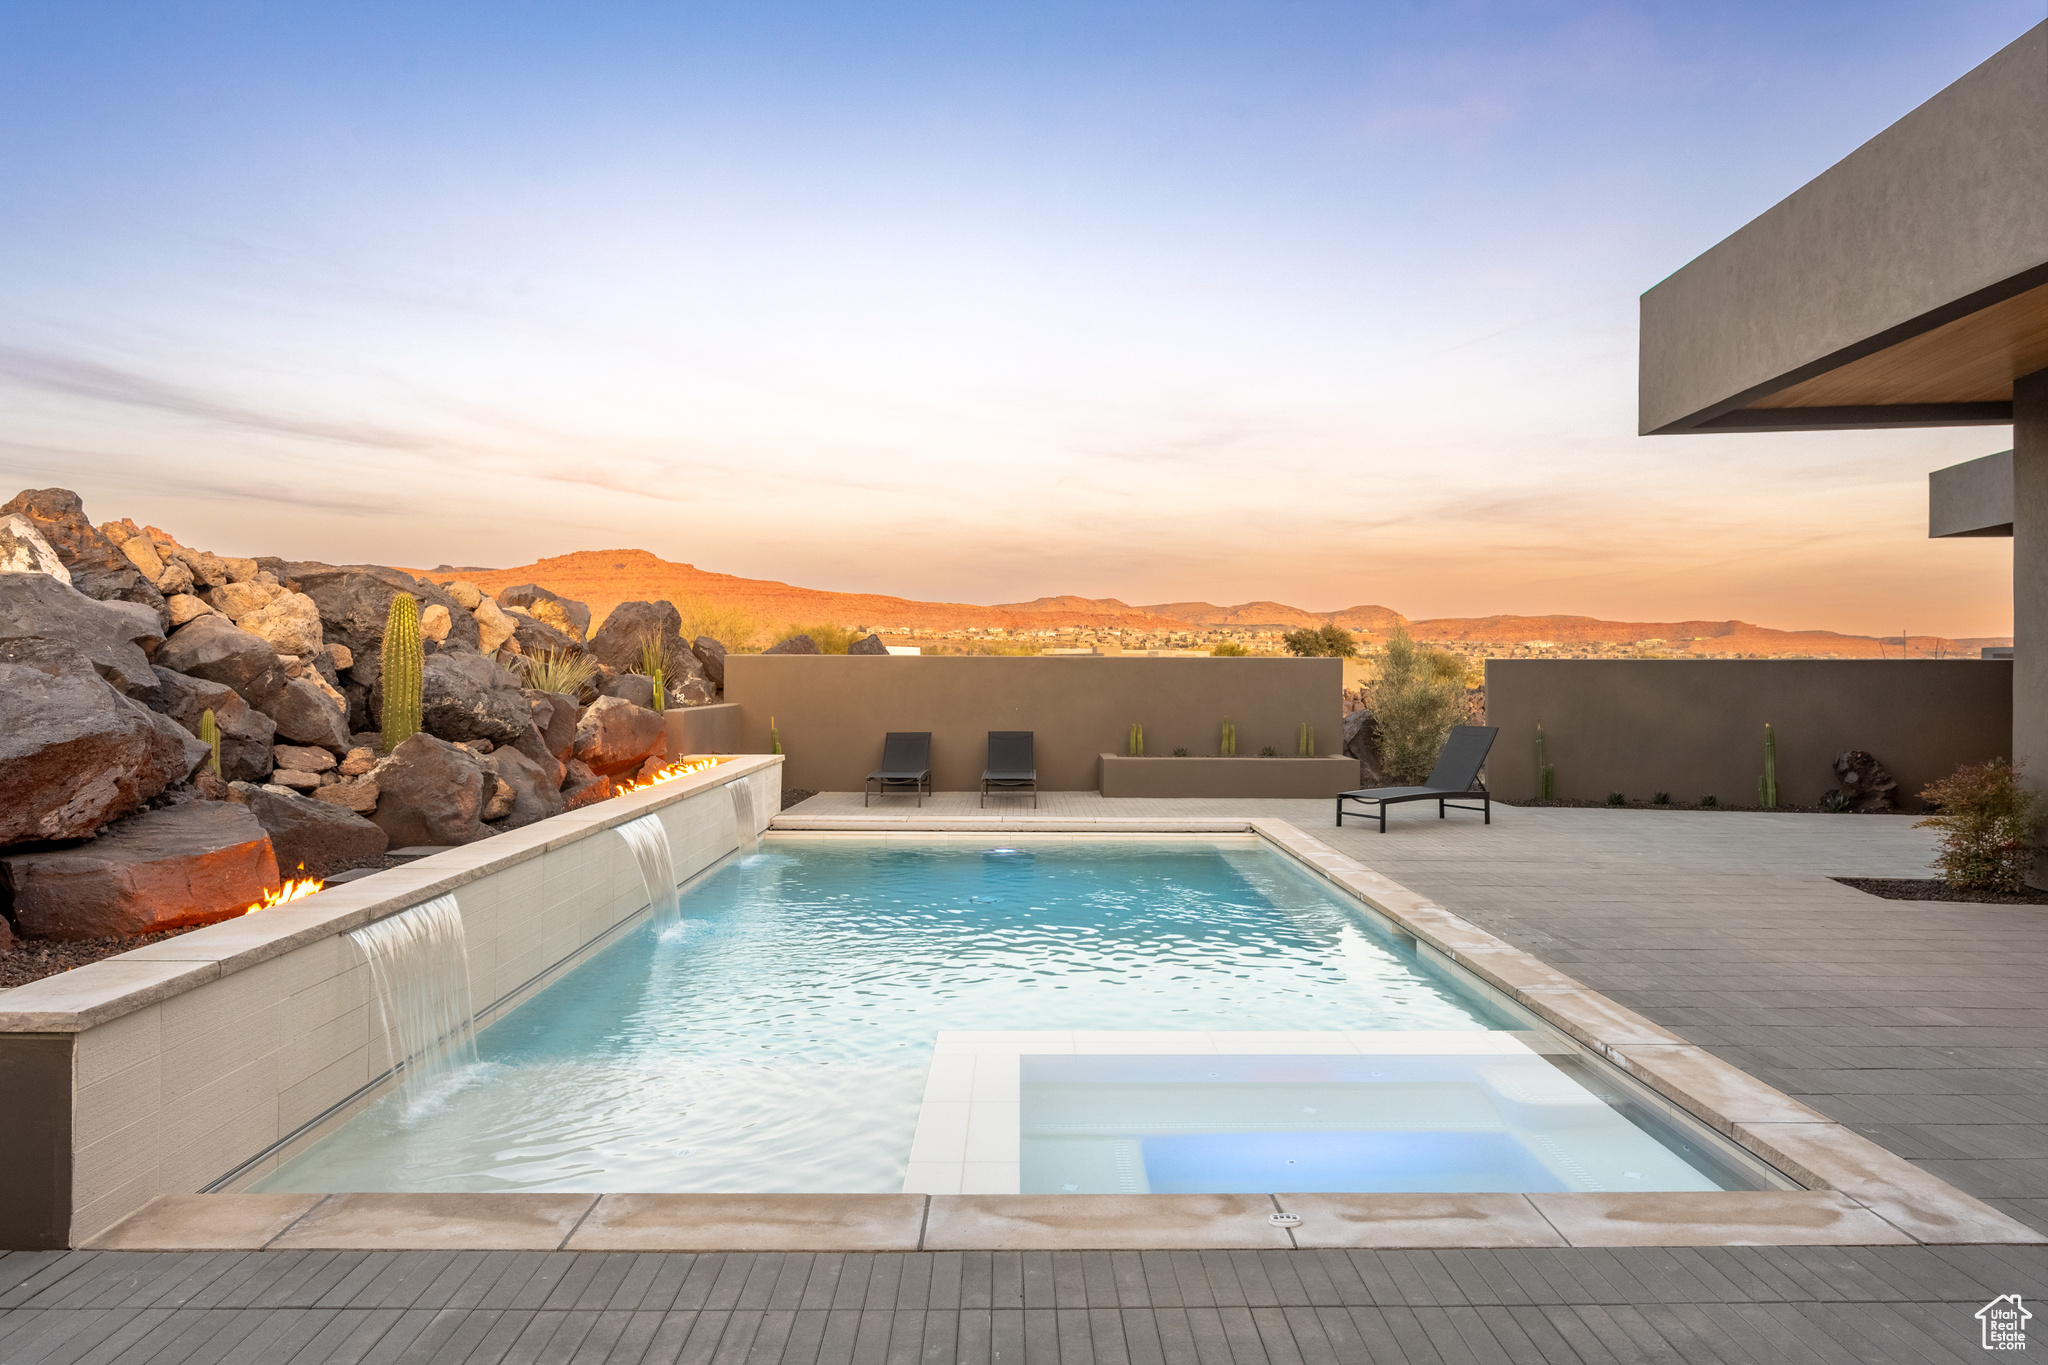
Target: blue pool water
column 777, row 1038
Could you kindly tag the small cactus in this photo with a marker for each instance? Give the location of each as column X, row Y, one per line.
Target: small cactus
column 1228, row 747
column 1546, row 776
column 1305, row 741
column 1136, row 741
column 209, row 735
column 774, row 737
column 1767, row 785
column 405, row 669
column 654, row 663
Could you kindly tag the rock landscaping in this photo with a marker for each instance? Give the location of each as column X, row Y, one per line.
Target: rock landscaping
column 181, row 731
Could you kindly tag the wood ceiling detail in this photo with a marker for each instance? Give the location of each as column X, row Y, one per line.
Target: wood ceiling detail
column 1971, row 360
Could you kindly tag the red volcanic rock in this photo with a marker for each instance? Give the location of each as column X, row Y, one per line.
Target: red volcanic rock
column 162, row 869
column 615, row 737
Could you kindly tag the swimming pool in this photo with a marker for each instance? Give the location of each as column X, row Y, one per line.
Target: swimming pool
column 779, row 1035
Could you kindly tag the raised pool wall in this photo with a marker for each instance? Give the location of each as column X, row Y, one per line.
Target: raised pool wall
column 1695, row 727
column 832, row 710
column 201, row 1062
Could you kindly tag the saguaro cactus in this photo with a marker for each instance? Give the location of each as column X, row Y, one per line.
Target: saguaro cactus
column 1767, row 785
column 1546, row 776
column 209, row 735
column 405, row 671
column 1228, row 748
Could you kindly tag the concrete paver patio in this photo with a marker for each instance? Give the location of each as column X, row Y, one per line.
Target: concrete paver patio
column 1918, row 1024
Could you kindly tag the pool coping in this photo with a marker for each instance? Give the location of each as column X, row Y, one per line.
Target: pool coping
column 1858, row 1193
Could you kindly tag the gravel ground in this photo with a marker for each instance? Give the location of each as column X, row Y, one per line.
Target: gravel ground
column 1934, row 889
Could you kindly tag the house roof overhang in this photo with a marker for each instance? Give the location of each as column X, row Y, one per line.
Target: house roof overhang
column 1906, row 286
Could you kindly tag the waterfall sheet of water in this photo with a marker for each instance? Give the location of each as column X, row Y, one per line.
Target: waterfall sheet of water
column 648, row 838
column 744, row 816
column 419, row 971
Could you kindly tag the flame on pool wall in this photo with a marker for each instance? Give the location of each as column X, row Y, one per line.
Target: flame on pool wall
column 621, row 786
column 297, row 889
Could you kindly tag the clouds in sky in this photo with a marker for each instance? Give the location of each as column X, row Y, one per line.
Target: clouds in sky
column 1324, row 303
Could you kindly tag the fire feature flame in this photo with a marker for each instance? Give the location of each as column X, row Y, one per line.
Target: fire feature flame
column 296, row 889
column 680, row 768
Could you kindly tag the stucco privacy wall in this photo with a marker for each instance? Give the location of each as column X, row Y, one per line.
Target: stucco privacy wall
column 1943, row 204
column 833, row 709
column 1694, row 727
column 204, row 1060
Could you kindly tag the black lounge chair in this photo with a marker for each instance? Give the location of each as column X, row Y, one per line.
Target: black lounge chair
column 1011, row 765
column 906, row 762
column 1455, row 774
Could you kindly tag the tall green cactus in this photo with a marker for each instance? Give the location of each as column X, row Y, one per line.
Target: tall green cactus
column 1305, row 741
column 405, row 671
column 774, row 737
column 209, row 735
column 654, row 663
column 1228, row 747
column 1137, row 741
column 1767, row 785
column 1546, row 776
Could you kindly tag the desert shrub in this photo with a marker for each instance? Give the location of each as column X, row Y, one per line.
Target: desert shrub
column 1616, row 799
column 1661, row 799
column 1416, row 696
column 1230, row 649
column 1710, row 800
column 564, row 671
column 1987, row 822
column 1330, row 642
column 829, row 638
column 738, row 630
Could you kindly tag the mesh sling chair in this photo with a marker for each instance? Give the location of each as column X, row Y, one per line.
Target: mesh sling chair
column 1456, row 771
column 1011, row 765
column 906, row 762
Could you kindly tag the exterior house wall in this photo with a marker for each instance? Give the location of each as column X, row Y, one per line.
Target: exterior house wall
column 832, row 710
column 1695, row 727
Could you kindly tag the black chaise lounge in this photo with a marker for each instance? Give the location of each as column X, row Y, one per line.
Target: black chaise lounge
column 1011, row 765
column 1456, row 772
column 906, row 762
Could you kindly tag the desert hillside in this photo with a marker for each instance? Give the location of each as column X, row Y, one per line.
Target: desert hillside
column 605, row 578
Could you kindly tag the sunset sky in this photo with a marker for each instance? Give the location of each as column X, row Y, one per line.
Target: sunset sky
column 1324, row 303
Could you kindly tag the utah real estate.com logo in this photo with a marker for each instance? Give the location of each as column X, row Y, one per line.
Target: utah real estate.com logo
column 2005, row 1323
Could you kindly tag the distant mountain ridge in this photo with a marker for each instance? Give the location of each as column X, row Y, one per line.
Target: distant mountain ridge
column 605, row 578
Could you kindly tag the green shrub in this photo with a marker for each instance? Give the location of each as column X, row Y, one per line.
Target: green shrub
column 1329, row 642
column 1661, row 799
column 559, row 670
column 1616, row 799
column 1987, row 822
column 1268, row 752
column 654, row 665
column 1710, row 801
column 1230, row 649
column 1180, row 753
column 1416, row 696
column 829, row 638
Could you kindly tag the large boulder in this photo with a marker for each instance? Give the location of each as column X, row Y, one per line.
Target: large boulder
column 23, row 550
column 289, row 623
column 431, row 792
column 536, row 790
column 354, row 599
column 535, row 636
column 556, row 713
column 214, row 648
column 115, row 636
column 1362, row 742
column 97, row 568
column 494, row 626
column 711, row 656
column 617, row 642
column 246, row 734
column 312, row 838
column 687, row 681
column 795, row 644
column 74, row 752
column 637, row 688
column 163, row 869
column 615, row 737
column 570, row 617
column 465, row 696
column 236, row 600
column 306, row 714
column 535, row 747
column 868, row 644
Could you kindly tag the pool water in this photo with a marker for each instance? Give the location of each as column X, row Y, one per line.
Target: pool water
column 777, row 1037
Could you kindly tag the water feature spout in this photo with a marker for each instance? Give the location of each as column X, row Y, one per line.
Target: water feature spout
column 648, row 838
column 743, row 815
column 419, row 973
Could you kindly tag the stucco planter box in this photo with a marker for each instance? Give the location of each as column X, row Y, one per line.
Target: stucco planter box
column 1196, row 776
